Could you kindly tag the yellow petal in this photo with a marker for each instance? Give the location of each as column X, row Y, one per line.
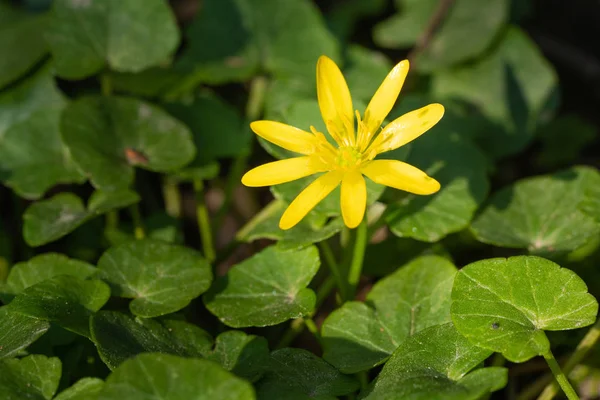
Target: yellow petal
column 335, row 102
column 286, row 136
column 353, row 198
column 400, row 175
column 384, row 99
column 282, row 171
column 309, row 198
column 407, row 128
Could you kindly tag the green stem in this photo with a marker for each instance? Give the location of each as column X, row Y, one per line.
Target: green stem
column 324, row 291
column 112, row 219
column 334, row 267
column 256, row 97
column 204, row 222
column 312, row 327
column 105, row 84
column 582, row 350
column 139, row 232
column 560, row 376
column 172, row 197
column 296, row 328
column 358, row 255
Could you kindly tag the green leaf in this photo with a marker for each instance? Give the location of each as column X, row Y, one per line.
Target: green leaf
column 119, row 337
column 342, row 17
column 18, row 331
column 266, row 289
column 506, row 304
column 83, row 389
column 244, row 355
column 558, row 152
column 404, row 28
column 363, row 62
column 161, row 278
column 37, row 92
column 298, row 374
column 519, row 88
column 21, row 41
column 359, row 336
column 265, row 225
column 43, row 267
column 34, row 377
column 519, row 216
column 461, row 170
column 85, row 36
column 591, row 197
column 435, row 364
column 108, row 136
column 29, row 169
column 65, row 300
column 167, row 377
column 48, row 220
column 218, row 129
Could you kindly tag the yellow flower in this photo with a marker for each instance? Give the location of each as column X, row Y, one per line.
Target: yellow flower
column 355, row 153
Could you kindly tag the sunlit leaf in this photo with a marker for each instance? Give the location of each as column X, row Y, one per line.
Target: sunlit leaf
column 17, row 331
column 83, row 389
column 34, row 377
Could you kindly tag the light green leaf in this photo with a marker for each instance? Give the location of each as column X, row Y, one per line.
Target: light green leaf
column 461, row 170
column 265, row 225
column 161, row 278
column 86, row 35
column 108, row 136
column 34, row 377
column 435, row 364
column 167, row 377
column 506, row 304
column 245, row 355
column 298, row 374
column 519, row 88
column 21, row 41
column 519, row 216
column 83, row 389
column 119, row 337
column 65, row 300
column 18, row 103
column 266, row 289
column 46, row 266
column 48, row 220
column 359, row 336
column 30, row 169
column 18, row 331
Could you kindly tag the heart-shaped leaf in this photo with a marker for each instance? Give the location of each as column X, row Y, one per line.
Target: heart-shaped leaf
column 86, row 36
column 17, row 331
column 65, row 300
column 108, row 136
column 359, row 336
column 83, row 389
column 461, row 170
column 299, row 374
column 516, row 99
column 435, row 364
column 161, row 278
column 51, row 219
column 153, row 377
column 34, row 377
column 505, row 305
column 266, row 289
column 518, row 216
column 46, row 266
column 119, row 337
column 21, row 37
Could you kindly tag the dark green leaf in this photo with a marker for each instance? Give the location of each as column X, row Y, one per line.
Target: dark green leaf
column 403, row 29
column 34, row 377
column 360, row 336
column 83, row 389
column 18, row 331
column 161, row 278
column 64, row 300
column 591, row 197
column 558, row 152
column 540, row 214
column 506, row 304
column 299, row 374
column 365, row 71
column 119, row 337
column 128, row 36
column 435, row 364
column 266, row 289
column 108, row 136
column 167, row 377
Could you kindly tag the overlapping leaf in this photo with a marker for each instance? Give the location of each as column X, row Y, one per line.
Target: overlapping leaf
column 17, row 331
column 33, row 377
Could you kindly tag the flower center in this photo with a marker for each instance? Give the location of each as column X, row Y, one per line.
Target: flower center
column 348, row 157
